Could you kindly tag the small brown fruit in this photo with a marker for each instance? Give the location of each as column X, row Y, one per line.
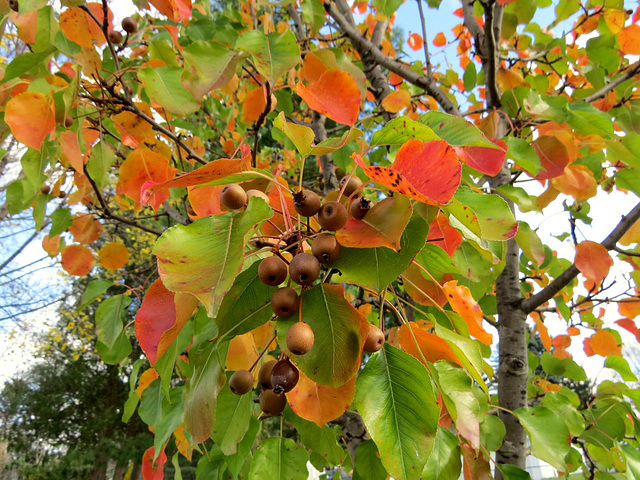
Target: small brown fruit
column 272, row 271
column 129, row 25
column 332, row 216
column 359, row 207
column 115, row 37
column 284, row 376
column 375, row 339
column 45, row 189
column 300, row 338
column 68, row 121
column 233, row 196
column 257, row 193
column 241, row 382
column 13, row 5
column 304, row 269
column 264, row 375
column 326, row 248
column 271, row 403
column 285, row 302
column 353, row 183
column 306, row 203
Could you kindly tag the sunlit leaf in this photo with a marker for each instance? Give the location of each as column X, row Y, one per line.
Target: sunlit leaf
column 484, row 159
column 629, row 39
column 70, row 148
column 550, row 439
column 593, row 260
column 335, row 94
column 133, row 129
column 577, row 181
column 445, row 458
column 463, row 303
column 415, row 42
column 396, row 101
column 164, row 85
column 553, row 156
column 205, row 257
column 77, row 260
column 79, row 27
column 603, row 343
column 113, row 256
column 85, row 228
column 440, row 40
column 398, row 406
column 254, row 104
column 273, row 54
column 279, row 458
column 31, row 117
column 242, row 353
column 429, row 348
column 320, row 403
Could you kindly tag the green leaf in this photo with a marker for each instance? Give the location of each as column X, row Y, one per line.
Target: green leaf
column 486, row 215
column 566, row 8
column 166, row 363
column 387, row 7
column 201, row 391
column 511, row 472
column 279, row 458
column 467, row 351
column 233, row 414
column 332, row 144
column 525, row 156
column 339, row 329
column 629, row 180
column 109, row 319
column 519, row 196
column 313, row 13
column 550, row 440
column 400, row 130
column 565, row 367
column 530, row 244
column 246, row 306
column 323, row 441
column 150, row 409
column 61, row 219
column 492, row 432
column 469, row 77
column 274, row 54
column 436, row 261
column 94, row 289
column 133, row 399
column 301, row 136
column 169, row 420
column 204, row 257
column 605, row 425
column 376, row 268
column 632, row 459
column 368, row 464
column 25, row 62
column 207, row 66
column 121, row 349
column 236, row 461
column 164, row 85
column 455, row 387
column 455, row 130
column 588, row 120
column 620, row 365
column 444, row 462
column 398, row 406
column 561, row 405
column 100, row 162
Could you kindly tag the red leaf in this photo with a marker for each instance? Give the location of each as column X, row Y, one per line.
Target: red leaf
column 160, row 319
column 593, row 260
column 464, row 304
column 628, row 325
column 153, row 470
column 484, row 159
column 554, row 156
column 335, row 94
column 444, row 235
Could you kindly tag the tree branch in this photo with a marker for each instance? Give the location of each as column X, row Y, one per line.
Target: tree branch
column 633, row 71
column 530, row 304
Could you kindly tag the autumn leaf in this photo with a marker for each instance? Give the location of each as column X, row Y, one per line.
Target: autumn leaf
column 439, row 40
column 113, row 256
column 463, row 303
column 77, row 260
column 254, row 104
column 629, row 39
column 396, row 101
column 430, row 347
column 553, row 155
column 133, row 130
column 415, row 42
column 153, row 470
column 422, row 289
column 593, row 260
column 441, row 233
column 146, row 378
column 628, row 324
column 79, row 27
column 577, row 181
column 313, row 67
column 51, row 245
column 242, row 352
column 335, row 94
column 174, row 10
column 85, row 228
column 70, row 148
column 484, row 159
column 320, row 403
column 31, row 117
column 508, row 79
column 544, row 333
column 603, row 343
column 205, row 200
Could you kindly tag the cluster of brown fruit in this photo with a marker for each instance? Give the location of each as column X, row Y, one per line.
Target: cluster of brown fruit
column 279, row 377
column 129, row 25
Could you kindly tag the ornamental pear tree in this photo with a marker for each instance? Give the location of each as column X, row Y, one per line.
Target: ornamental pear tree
column 342, row 222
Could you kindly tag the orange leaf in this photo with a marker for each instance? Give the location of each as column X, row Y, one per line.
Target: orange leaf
column 632, row 235
column 313, row 67
column 27, row 24
column 508, row 79
column 544, row 334
column 444, row 235
column 440, row 40
column 160, row 319
column 114, row 256
column 31, row 117
column 153, row 470
column 629, row 40
column 614, row 19
column 433, row 348
column 254, row 104
column 80, row 28
column 553, row 154
column 85, row 228
column 174, row 10
column 587, row 347
column 629, row 309
column 593, row 260
column 395, row 79
column 396, row 101
column 182, row 444
column 382, row 226
column 133, row 129
column 603, row 343
column 211, row 171
column 51, row 245
column 205, row 200
column 141, row 166
column 562, row 341
column 628, row 324
column 476, row 465
column 573, row 331
column 70, row 148
column 146, row 378
column 320, row 403
column 464, row 304
column 422, row 289
column 242, row 352
column 415, row 42
column 77, row 260
column 577, row 181
column 335, row 94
